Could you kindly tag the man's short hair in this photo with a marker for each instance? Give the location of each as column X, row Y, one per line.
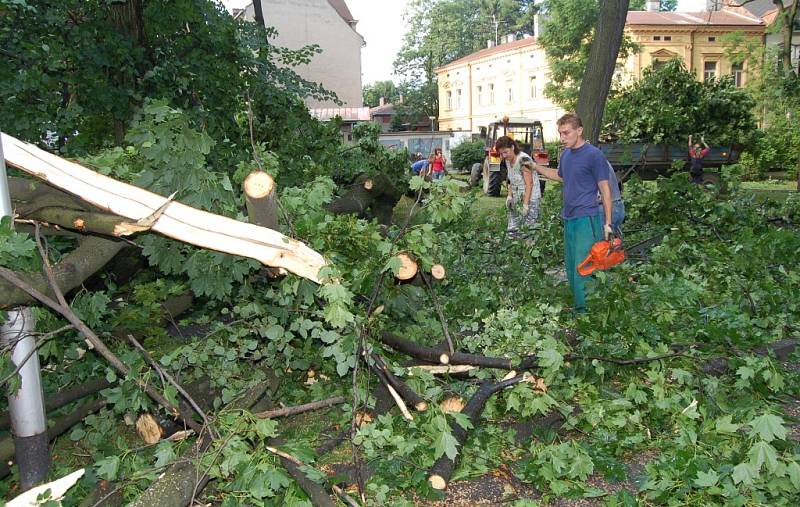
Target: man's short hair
column 573, row 119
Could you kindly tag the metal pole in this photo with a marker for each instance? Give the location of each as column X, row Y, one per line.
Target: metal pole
column 26, row 406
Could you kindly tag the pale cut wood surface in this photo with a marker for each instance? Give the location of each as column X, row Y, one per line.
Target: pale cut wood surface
column 178, row 221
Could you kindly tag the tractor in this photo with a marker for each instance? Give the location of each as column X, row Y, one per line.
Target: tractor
column 493, row 171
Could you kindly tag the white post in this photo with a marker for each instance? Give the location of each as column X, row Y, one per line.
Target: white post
column 26, row 406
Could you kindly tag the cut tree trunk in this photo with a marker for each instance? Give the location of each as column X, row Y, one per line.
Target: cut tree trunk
column 186, row 478
column 262, row 204
column 408, row 267
column 441, row 471
column 91, row 255
column 172, row 219
column 368, row 197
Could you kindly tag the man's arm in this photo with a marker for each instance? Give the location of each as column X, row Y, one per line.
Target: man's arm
column 605, row 196
column 549, row 173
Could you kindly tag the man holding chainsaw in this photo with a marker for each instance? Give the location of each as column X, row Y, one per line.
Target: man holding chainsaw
column 584, row 171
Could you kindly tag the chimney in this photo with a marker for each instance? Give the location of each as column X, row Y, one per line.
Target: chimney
column 509, row 38
column 382, row 101
column 490, row 43
column 536, row 25
column 653, row 5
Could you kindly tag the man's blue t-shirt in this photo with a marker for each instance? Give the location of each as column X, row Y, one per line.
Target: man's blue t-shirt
column 419, row 165
column 581, row 169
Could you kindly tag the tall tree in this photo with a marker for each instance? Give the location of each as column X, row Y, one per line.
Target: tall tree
column 441, row 31
column 600, row 66
column 787, row 16
column 567, row 34
column 373, row 93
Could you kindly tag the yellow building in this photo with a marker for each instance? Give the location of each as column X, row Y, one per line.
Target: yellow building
column 504, row 80
column 696, row 38
column 509, row 79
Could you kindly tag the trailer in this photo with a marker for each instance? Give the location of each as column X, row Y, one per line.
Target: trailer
column 650, row 161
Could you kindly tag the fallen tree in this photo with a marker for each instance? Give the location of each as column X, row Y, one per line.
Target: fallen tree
column 139, row 210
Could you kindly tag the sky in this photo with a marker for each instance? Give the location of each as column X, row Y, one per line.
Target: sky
column 381, row 24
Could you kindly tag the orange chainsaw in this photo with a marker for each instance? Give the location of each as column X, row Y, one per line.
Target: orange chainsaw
column 604, row 255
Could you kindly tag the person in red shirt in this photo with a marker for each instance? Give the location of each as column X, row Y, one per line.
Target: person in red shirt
column 696, row 156
column 436, row 163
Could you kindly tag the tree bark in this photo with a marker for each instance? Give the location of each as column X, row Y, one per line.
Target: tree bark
column 379, row 366
column 787, row 15
column 441, row 471
column 57, row 400
column 177, row 485
column 61, row 425
column 91, row 255
column 368, row 197
column 160, row 214
column 299, row 409
column 415, row 350
column 262, row 204
column 600, row 66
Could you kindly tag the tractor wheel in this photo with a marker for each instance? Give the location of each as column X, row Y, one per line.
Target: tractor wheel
column 495, row 182
column 475, row 174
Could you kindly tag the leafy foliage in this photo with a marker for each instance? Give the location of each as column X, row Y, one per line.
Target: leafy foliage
column 567, row 31
column 723, row 280
column 668, row 104
column 468, row 153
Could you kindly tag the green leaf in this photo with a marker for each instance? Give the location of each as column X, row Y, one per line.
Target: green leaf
column 266, row 428
column 108, row 467
column 164, row 454
column 337, row 315
column 462, row 420
column 793, row 470
column 760, row 453
column 744, row 473
column 706, row 479
column 768, row 427
column 724, row 425
column 447, row 444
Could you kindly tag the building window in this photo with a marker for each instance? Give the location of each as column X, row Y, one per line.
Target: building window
column 657, row 64
column 668, row 37
column 737, row 71
column 479, row 93
column 449, row 102
column 712, row 39
column 458, row 98
column 509, row 93
column 709, row 71
column 532, row 86
column 656, row 37
column 491, row 94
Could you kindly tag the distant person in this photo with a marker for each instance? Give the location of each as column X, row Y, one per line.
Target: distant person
column 524, row 193
column 419, row 166
column 583, row 169
column 696, row 156
column 436, row 163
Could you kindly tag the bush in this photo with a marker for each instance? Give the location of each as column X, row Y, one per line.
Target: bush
column 467, row 153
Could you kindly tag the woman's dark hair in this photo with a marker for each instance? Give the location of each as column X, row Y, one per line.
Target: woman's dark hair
column 506, row 142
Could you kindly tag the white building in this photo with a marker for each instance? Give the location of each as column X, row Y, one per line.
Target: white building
column 330, row 25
